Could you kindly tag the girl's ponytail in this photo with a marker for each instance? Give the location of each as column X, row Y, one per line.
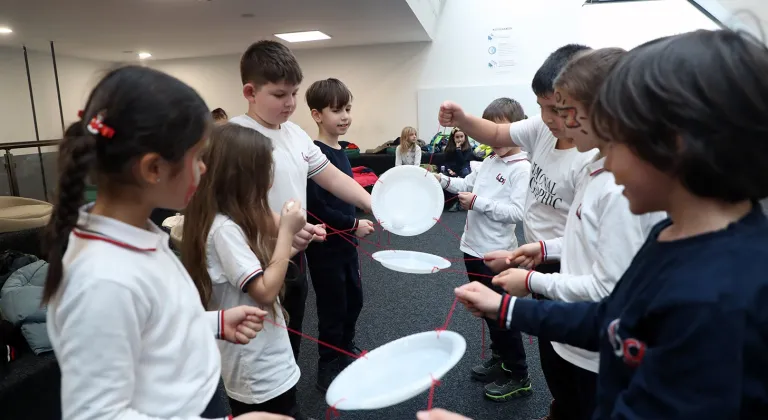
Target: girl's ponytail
column 77, row 155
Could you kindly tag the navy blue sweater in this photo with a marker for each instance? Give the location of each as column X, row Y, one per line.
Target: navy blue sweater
column 333, row 211
column 684, row 335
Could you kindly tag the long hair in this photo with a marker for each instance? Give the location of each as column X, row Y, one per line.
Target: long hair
column 146, row 111
column 236, row 184
column 451, row 146
column 405, row 138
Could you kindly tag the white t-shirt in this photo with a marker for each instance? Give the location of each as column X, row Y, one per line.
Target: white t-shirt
column 601, row 238
column 500, row 186
column 552, row 184
column 296, row 158
column 265, row 367
column 131, row 337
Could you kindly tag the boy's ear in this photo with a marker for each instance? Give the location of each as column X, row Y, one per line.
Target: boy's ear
column 317, row 116
column 249, row 92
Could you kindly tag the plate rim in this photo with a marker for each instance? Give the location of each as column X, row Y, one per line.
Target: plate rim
column 420, row 385
column 392, row 251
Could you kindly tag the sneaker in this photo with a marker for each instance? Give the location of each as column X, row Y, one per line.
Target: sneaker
column 488, row 371
column 328, row 371
column 507, row 388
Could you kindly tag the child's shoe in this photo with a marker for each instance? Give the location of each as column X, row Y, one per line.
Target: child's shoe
column 489, row 370
column 508, row 388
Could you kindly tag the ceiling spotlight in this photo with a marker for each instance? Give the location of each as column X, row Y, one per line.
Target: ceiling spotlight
column 144, row 55
column 303, row 36
column 4, row 30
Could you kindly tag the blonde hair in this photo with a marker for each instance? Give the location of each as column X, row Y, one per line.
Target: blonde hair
column 405, row 140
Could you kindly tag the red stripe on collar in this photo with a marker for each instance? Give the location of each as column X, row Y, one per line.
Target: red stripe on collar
column 516, row 160
column 99, row 237
column 597, row 172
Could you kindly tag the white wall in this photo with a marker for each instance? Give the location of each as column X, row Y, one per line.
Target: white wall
column 385, row 78
column 76, row 78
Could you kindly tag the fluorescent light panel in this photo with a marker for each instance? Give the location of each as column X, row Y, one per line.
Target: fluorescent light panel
column 5, row 30
column 303, row 36
column 144, row 55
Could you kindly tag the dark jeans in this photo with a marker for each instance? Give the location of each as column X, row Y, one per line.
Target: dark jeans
column 572, row 387
column 284, row 404
column 296, row 289
column 508, row 344
column 339, row 292
column 217, row 407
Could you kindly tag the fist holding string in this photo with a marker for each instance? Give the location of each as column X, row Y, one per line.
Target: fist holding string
column 364, row 228
column 514, row 281
column 240, row 324
column 480, row 300
column 292, row 217
column 450, row 115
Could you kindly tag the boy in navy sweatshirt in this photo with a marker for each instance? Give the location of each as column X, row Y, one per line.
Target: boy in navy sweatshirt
column 333, row 264
column 683, row 334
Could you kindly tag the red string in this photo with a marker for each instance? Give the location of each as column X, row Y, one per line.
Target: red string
column 430, row 164
column 448, row 318
column 455, row 235
column 332, row 410
column 435, row 384
column 482, row 339
column 330, row 346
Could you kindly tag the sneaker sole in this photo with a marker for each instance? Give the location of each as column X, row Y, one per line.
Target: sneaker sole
column 518, row 393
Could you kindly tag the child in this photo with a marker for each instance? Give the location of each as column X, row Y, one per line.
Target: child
column 408, row 152
column 556, row 167
column 219, row 116
column 682, row 334
column 125, row 322
column 333, row 265
column 237, row 255
column 601, row 235
column 495, row 195
column 458, row 154
column 271, row 77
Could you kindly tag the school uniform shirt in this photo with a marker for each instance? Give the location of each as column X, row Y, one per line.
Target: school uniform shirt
column 554, row 177
column 682, row 335
column 265, row 367
column 129, row 332
column 601, row 238
column 296, row 159
column 332, row 210
column 499, row 186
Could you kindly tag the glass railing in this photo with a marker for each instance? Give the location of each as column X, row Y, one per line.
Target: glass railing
column 30, row 169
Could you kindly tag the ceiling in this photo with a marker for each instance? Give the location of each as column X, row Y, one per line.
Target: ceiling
column 751, row 15
column 116, row 30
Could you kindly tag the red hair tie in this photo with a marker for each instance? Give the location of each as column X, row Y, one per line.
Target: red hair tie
column 97, row 127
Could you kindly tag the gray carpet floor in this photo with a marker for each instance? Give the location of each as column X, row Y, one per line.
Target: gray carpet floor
column 397, row 305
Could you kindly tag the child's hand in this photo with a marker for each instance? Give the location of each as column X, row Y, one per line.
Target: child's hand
column 466, row 199
column 451, row 173
column 450, row 115
column 364, row 228
column 262, row 416
column 439, row 414
column 513, row 281
column 497, row 261
column 318, row 233
column 292, row 217
column 242, row 323
column 527, row 256
column 479, row 299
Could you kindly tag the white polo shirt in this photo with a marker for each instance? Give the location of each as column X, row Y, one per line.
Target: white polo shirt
column 265, row 367
column 601, row 238
column 553, row 181
column 296, row 158
column 128, row 328
column 500, row 187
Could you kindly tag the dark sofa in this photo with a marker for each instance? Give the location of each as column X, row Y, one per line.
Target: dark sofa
column 31, row 386
column 381, row 162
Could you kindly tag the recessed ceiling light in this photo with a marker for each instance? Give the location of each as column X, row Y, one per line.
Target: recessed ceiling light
column 5, row 30
column 144, row 55
column 303, row 36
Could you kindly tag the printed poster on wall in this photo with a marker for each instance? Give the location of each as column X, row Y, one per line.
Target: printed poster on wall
column 501, row 50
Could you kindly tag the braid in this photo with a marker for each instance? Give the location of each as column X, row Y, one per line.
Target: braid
column 77, row 155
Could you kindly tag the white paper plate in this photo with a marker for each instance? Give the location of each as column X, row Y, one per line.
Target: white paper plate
column 396, row 371
column 407, row 200
column 411, row 261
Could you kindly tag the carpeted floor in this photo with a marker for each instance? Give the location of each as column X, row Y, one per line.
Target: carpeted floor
column 397, row 305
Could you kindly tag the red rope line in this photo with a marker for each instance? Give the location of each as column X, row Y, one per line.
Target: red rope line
column 454, row 234
column 435, row 384
column 308, row 337
column 482, row 339
column 448, row 318
column 332, row 410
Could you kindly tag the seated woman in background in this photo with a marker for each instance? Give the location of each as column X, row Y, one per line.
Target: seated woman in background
column 408, row 152
column 458, row 154
column 219, row 116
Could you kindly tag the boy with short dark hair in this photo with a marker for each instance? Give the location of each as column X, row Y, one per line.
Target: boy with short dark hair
column 333, row 264
column 271, row 77
column 556, row 168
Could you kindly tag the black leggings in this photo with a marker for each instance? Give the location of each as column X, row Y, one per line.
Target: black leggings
column 284, row 404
